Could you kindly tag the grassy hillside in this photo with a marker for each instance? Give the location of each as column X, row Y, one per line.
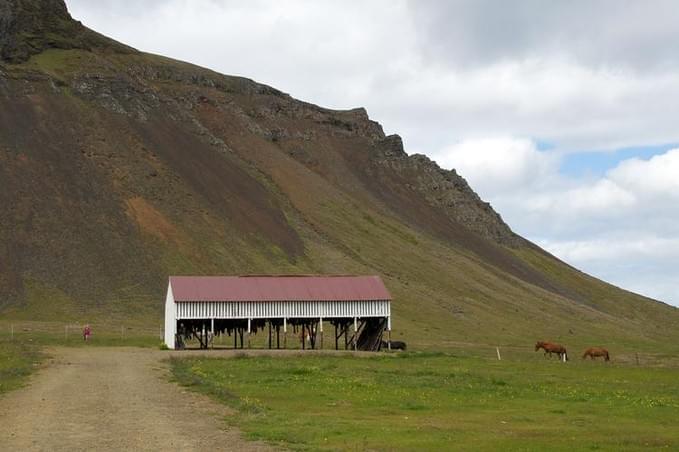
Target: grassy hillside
column 119, row 168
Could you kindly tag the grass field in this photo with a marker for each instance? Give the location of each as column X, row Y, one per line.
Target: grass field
column 38, row 334
column 433, row 401
column 17, row 361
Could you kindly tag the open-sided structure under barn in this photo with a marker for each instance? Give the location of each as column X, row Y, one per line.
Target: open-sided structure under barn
column 202, row 307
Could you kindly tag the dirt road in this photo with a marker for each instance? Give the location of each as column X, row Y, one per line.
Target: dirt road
column 112, row 399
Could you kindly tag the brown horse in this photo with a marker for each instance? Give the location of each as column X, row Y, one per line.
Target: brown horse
column 595, row 352
column 550, row 348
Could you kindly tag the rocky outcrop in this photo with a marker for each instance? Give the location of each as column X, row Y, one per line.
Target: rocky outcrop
column 445, row 190
column 451, row 192
column 28, row 27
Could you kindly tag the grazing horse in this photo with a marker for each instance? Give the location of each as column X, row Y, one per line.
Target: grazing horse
column 550, row 348
column 595, row 352
column 395, row 345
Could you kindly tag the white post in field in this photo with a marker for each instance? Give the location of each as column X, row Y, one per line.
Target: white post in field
column 285, row 332
column 320, row 324
column 249, row 329
column 212, row 331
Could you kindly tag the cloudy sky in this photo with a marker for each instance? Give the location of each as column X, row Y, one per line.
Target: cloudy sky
column 564, row 115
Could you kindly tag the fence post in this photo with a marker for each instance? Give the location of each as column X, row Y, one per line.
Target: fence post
column 122, row 332
column 497, row 349
column 65, row 332
column 12, row 333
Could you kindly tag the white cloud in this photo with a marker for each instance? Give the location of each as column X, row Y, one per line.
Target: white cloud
column 637, row 261
column 658, row 176
column 495, row 165
column 612, row 248
column 602, row 197
column 620, row 226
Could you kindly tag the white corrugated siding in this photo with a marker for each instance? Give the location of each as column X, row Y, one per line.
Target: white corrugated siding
column 280, row 309
column 170, row 314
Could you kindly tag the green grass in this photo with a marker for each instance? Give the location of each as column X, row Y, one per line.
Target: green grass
column 46, row 334
column 442, row 402
column 17, row 361
column 40, row 339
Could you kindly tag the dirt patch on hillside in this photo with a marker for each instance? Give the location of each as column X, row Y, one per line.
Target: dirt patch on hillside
column 113, row 399
column 151, row 221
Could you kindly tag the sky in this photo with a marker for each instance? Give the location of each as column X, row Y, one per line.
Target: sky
column 563, row 115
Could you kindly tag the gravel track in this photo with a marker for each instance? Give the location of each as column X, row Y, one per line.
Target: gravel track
column 96, row 398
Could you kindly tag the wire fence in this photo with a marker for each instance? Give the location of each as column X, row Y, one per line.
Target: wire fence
column 71, row 333
column 131, row 334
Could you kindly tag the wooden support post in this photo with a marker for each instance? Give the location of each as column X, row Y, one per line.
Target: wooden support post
column 497, row 349
column 389, row 333
column 346, row 336
column 269, row 334
column 212, row 331
column 278, row 336
column 235, row 338
column 285, row 333
column 355, row 333
column 312, row 335
column 303, row 337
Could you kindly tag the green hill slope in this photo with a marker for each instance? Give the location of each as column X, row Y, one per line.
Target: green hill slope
column 118, row 168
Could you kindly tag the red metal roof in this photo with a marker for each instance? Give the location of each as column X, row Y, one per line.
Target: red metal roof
column 278, row 288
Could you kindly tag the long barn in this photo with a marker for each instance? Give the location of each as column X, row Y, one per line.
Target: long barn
column 203, row 307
